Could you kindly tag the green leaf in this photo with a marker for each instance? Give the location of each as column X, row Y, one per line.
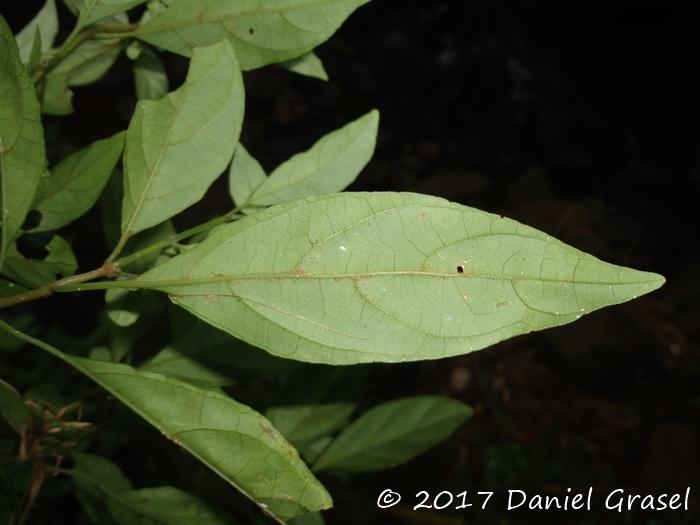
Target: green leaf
column 22, row 155
column 312, row 518
column 232, row 439
column 308, row 65
column 245, row 175
column 122, row 306
column 103, row 490
column 262, row 31
column 56, row 96
column 88, row 62
column 77, row 181
column 362, row 277
column 150, row 78
column 302, row 425
column 42, row 28
column 12, row 408
column 33, row 273
column 207, row 357
column 328, row 167
column 177, row 146
column 162, row 505
column 94, row 10
column 393, row 433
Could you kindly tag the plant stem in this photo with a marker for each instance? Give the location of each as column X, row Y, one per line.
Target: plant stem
column 77, row 37
column 106, row 270
column 205, row 226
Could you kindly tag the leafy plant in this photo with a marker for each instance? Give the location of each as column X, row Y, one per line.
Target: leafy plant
column 294, row 268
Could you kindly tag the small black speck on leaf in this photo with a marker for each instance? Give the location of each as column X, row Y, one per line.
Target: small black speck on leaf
column 460, row 269
column 251, row 30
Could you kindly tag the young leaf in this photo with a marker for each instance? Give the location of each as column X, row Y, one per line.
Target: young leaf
column 150, row 78
column 60, row 261
column 262, row 31
column 328, row 167
column 232, row 439
column 44, row 27
column 308, row 65
column 94, row 10
column 361, row 277
column 77, row 181
column 22, row 155
column 393, row 433
column 177, row 146
column 245, row 175
column 122, row 306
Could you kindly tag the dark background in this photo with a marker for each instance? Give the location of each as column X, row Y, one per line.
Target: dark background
column 580, row 118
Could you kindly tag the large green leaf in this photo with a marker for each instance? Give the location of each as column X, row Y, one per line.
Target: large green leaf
column 22, row 155
column 230, row 438
column 177, row 146
column 45, row 25
column 393, row 433
column 328, row 167
column 262, row 31
column 361, row 277
column 77, row 181
column 94, row 10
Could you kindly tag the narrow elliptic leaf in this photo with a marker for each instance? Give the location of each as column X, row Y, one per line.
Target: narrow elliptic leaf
column 262, row 31
column 232, row 439
column 94, row 10
column 328, row 167
column 12, row 408
column 45, row 25
column 89, row 62
column 94, row 468
column 302, row 425
column 22, row 155
column 393, row 433
column 308, row 65
column 150, row 78
column 77, row 181
column 245, row 175
column 59, row 262
column 177, row 146
column 362, row 277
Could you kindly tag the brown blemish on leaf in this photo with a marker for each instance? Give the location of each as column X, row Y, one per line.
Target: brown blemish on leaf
column 423, row 216
column 501, row 304
column 212, row 297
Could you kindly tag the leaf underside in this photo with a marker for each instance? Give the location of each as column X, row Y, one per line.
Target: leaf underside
column 361, row 277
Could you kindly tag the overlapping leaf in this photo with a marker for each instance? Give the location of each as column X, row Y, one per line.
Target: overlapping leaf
column 44, row 27
column 393, row 433
column 328, row 167
column 94, row 10
column 177, row 146
column 262, row 31
column 232, row 439
column 355, row 277
column 77, row 181
column 59, row 262
column 22, row 155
